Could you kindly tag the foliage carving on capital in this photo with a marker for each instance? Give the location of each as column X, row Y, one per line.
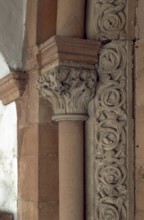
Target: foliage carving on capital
column 69, row 89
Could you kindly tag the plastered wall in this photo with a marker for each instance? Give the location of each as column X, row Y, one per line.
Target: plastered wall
column 12, row 29
column 8, row 151
column 12, row 26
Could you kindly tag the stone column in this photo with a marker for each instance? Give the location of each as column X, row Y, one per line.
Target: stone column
column 70, row 89
column 70, row 18
column 71, row 168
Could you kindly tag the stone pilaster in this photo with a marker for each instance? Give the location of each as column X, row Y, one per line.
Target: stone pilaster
column 139, row 110
column 110, row 186
column 111, row 20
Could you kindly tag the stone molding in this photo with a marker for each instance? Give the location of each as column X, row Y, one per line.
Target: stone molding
column 113, row 157
column 65, row 49
column 69, row 89
column 12, row 87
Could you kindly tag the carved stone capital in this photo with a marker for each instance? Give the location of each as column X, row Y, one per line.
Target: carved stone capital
column 69, row 89
column 12, row 87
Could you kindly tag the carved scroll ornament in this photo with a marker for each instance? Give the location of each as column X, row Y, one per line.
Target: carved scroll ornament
column 111, row 136
column 69, row 89
column 108, row 19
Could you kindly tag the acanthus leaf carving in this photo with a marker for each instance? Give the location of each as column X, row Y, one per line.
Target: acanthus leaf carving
column 69, row 89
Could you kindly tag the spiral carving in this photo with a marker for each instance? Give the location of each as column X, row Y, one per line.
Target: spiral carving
column 111, row 209
column 111, row 172
column 110, row 19
column 110, row 135
column 112, row 95
column 111, row 180
column 112, row 59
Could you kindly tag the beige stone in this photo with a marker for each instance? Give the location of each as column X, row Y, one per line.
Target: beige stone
column 28, row 210
column 139, row 125
column 66, row 49
column 38, row 154
column 30, row 49
column 48, row 189
column 28, row 141
column 139, row 57
column 112, row 20
column 48, row 139
column 140, row 17
column 48, row 211
column 139, row 91
column 28, row 178
column 71, row 170
column 70, row 18
column 139, row 215
column 68, row 80
column 46, row 22
column 12, row 87
column 30, row 107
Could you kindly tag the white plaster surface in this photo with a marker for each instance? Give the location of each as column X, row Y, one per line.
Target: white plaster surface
column 8, row 151
column 12, row 19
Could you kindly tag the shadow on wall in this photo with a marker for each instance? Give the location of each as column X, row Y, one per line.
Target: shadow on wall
column 6, row 216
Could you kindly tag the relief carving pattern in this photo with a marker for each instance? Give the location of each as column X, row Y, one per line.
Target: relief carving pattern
column 111, row 180
column 69, row 89
column 110, row 19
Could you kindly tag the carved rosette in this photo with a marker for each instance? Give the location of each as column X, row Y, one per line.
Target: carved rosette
column 69, row 89
column 110, row 19
column 111, row 163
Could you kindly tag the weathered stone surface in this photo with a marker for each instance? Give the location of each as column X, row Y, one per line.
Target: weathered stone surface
column 66, row 49
column 69, row 89
column 111, row 191
column 139, row 129
column 46, row 23
column 28, row 178
column 48, row 189
column 110, row 20
column 140, row 17
column 71, row 170
column 12, row 87
column 28, row 210
column 48, row 211
column 70, row 18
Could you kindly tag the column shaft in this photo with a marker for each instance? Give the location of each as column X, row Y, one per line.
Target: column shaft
column 71, row 169
column 70, row 18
